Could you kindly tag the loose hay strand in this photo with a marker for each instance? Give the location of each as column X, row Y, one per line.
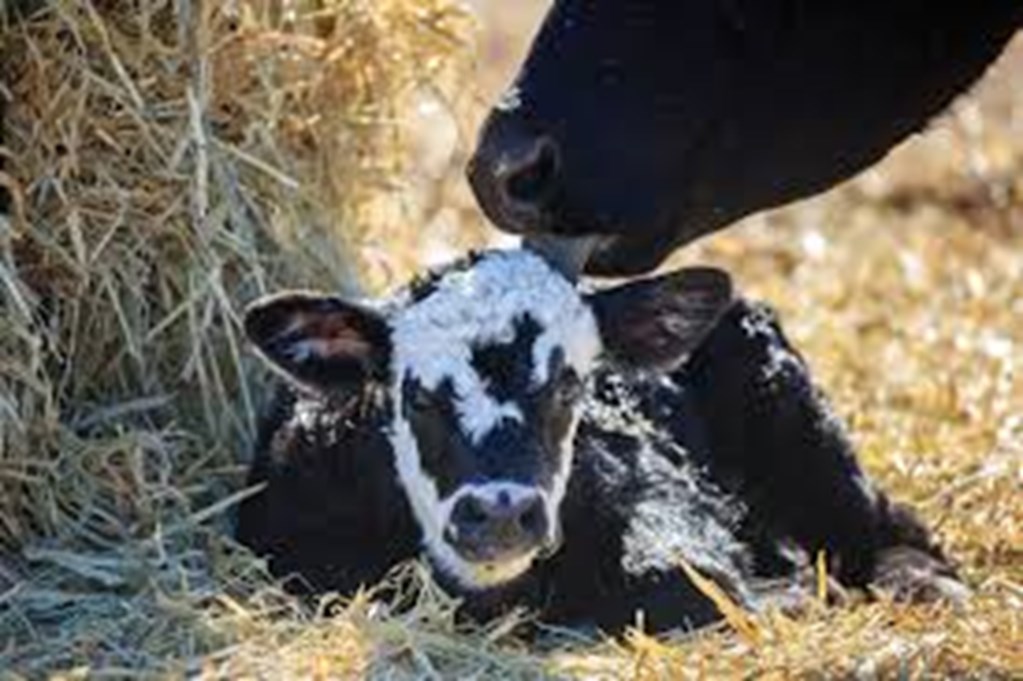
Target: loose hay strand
column 733, row 613
column 821, row 570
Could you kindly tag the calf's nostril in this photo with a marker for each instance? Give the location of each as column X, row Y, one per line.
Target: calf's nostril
column 531, row 181
column 532, row 520
column 470, row 514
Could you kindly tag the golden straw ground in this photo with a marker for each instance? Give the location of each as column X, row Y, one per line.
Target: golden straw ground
column 171, row 160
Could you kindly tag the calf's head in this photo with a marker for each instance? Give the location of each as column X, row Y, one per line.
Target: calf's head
column 485, row 368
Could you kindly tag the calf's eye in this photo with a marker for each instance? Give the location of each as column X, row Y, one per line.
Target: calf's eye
column 422, row 400
column 416, row 398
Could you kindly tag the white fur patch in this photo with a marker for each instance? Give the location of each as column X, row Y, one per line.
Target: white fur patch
column 434, row 338
column 559, row 484
column 510, row 100
column 699, row 527
column 432, row 342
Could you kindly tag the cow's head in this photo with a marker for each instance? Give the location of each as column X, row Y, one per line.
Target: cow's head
column 650, row 123
column 485, row 366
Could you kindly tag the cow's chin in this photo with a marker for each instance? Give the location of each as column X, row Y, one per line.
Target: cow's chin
column 480, row 575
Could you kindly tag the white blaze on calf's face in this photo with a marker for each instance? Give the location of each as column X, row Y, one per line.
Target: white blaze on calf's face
column 433, row 341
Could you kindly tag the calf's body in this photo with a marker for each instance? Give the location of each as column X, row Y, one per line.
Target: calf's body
column 726, row 461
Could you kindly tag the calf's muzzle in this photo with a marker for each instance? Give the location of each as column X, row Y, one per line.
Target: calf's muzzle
column 485, row 528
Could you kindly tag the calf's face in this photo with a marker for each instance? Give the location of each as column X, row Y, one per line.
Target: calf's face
column 485, row 368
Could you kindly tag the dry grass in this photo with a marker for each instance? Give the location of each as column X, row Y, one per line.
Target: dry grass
column 168, row 164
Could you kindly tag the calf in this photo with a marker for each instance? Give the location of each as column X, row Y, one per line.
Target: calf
column 714, row 110
column 560, row 450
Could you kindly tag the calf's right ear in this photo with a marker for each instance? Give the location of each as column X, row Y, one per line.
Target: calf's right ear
column 657, row 323
column 319, row 341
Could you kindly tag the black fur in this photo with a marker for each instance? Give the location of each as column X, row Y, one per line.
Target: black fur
column 671, row 119
column 508, row 367
column 332, row 515
column 775, row 466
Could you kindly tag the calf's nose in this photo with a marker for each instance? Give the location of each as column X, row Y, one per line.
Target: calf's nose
column 491, row 528
column 514, row 173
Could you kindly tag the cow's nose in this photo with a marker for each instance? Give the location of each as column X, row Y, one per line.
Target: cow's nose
column 487, row 529
column 514, row 174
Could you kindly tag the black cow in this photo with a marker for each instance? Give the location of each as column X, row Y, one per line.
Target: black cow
column 546, row 448
column 648, row 124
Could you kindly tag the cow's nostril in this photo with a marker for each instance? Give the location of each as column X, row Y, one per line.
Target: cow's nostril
column 531, row 182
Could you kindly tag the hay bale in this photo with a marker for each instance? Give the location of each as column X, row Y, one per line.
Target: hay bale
column 166, row 162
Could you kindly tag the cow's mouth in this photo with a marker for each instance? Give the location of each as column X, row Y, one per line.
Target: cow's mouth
column 569, row 255
column 632, row 254
column 616, row 256
column 601, row 255
column 602, row 250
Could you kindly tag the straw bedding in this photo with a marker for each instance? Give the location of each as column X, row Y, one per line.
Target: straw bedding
column 167, row 161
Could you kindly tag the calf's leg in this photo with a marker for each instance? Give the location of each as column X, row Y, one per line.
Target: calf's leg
column 774, row 441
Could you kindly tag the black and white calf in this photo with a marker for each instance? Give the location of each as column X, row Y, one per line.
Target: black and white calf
column 559, row 450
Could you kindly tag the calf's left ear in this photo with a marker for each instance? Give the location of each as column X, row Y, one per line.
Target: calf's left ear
column 321, row 342
column 656, row 323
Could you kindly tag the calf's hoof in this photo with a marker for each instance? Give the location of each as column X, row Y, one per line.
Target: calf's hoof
column 913, row 576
